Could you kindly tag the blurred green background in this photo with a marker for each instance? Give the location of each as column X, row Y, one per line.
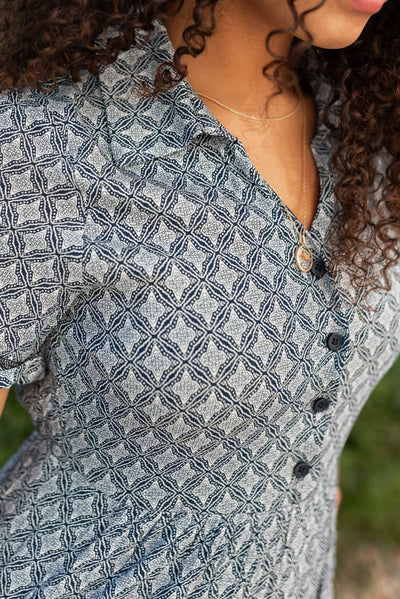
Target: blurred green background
column 369, row 478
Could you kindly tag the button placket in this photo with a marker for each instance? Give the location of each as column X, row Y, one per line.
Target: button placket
column 318, row 268
column 334, row 341
column 301, row 469
column 321, row 404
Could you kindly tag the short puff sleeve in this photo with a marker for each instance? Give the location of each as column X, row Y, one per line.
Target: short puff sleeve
column 41, row 223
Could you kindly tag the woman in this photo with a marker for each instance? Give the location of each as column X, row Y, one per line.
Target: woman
column 200, row 287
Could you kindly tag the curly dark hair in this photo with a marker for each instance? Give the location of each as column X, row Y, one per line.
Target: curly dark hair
column 44, row 41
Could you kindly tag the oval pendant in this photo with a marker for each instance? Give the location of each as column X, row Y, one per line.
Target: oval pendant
column 303, row 258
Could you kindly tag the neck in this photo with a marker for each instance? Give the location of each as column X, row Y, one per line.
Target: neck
column 230, row 67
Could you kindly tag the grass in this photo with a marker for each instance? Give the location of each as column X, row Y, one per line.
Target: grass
column 15, row 426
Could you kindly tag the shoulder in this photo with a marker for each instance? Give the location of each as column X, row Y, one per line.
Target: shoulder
column 24, row 111
column 41, row 133
column 34, row 124
column 30, row 124
column 37, row 185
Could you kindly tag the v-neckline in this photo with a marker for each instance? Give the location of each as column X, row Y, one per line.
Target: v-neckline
column 264, row 184
column 322, row 161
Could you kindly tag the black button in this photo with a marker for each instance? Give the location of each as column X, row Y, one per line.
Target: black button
column 321, row 404
column 334, row 341
column 301, row 470
column 318, row 269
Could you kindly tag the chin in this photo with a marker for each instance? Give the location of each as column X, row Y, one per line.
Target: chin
column 335, row 45
column 337, row 37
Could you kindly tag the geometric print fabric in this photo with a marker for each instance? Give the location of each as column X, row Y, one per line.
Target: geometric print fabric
column 169, row 351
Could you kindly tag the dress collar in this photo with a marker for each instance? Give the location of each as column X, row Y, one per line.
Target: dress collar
column 145, row 128
column 141, row 129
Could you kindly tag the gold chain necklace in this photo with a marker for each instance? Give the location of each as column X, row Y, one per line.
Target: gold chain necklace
column 302, row 255
column 254, row 118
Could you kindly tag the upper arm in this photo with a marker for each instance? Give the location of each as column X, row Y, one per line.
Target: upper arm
column 41, row 232
column 3, row 397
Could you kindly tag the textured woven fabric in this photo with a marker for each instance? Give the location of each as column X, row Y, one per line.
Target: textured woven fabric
column 169, row 351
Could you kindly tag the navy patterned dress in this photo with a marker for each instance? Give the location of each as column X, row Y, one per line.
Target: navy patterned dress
column 191, row 389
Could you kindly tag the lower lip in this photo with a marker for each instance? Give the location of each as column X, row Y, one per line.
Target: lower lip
column 367, row 6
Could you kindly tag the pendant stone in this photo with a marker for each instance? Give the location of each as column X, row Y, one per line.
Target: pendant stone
column 303, row 257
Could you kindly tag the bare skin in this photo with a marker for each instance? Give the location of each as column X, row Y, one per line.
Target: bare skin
column 3, row 397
